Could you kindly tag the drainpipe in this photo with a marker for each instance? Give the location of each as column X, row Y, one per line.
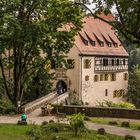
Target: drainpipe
column 81, row 81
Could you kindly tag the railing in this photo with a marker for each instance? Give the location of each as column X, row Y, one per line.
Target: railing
column 52, row 98
column 111, row 68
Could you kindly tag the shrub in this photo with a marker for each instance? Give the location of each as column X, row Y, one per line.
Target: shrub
column 44, row 123
column 6, row 107
column 117, row 105
column 34, row 133
column 112, row 123
column 129, row 137
column 77, row 122
column 125, row 124
column 124, row 105
column 101, row 131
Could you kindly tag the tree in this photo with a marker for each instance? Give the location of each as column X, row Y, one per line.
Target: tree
column 127, row 13
column 134, row 87
column 134, row 58
column 77, row 122
column 39, row 85
column 32, row 32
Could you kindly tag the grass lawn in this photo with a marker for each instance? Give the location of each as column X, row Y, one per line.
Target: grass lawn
column 16, row 132
column 13, row 132
column 133, row 125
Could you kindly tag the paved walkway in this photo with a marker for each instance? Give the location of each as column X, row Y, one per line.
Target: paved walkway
column 109, row 129
column 114, row 130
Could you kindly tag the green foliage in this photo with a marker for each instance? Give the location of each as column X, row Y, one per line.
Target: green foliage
column 39, row 85
column 127, row 13
column 29, row 29
column 1, row 87
column 134, row 58
column 134, row 86
column 35, row 133
column 117, row 105
column 16, row 132
column 6, row 107
column 77, row 122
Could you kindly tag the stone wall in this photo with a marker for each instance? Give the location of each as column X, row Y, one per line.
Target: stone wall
column 101, row 112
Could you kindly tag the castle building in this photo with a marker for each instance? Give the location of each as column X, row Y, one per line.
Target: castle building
column 98, row 64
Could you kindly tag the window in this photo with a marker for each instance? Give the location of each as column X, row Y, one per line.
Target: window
column 86, row 78
column 106, row 77
column 124, row 62
column 92, row 42
column 101, row 77
column 85, row 42
column 53, row 64
column 95, row 78
column 117, row 62
column 105, row 62
column 101, row 43
column 113, row 77
column 116, row 44
column 113, row 62
column 87, row 63
column 125, row 76
column 71, row 63
column 106, row 92
column 109, row 44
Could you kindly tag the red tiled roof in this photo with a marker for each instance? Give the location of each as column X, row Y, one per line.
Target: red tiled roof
column 98, row 30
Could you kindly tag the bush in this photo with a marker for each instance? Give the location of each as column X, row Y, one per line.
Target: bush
column 55, row 127
column 124, row 105
column 6, row 107
column 125, row 124
column 117, row 105
column 101, row 131
column 34, row 133
column 44, row 123
column 77, row 122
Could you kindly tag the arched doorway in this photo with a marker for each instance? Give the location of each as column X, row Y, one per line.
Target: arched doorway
column 61, row 87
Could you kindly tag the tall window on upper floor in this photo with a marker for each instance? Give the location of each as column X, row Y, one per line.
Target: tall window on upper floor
column 70, row 63
column 105, row 62
column 113, row 62
column 118, row 62
column 87, row 63
column 124, row 63
column 113, row 77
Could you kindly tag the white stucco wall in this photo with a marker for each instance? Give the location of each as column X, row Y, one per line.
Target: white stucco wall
column 94, row 92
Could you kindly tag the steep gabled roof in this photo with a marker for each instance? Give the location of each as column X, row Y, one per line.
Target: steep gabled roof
column 99, row 31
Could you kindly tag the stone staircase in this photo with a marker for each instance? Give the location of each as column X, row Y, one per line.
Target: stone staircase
column 52, row 98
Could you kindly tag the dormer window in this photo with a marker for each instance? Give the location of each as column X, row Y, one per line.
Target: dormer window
column 84, row 39
column 92, row 43
column 109, row 44
column 85, row 42
column 101, row 43
column 116, row 44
